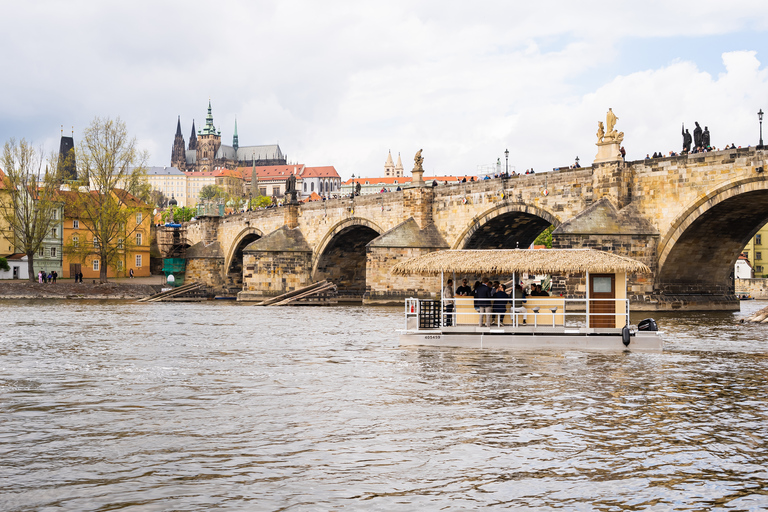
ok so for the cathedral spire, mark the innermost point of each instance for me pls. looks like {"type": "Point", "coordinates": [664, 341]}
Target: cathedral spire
{"type": "Point", "coordinates": [235, 143]}
{"type": "Point", "coordinates": [178, 127]}
{"type": "Point", "coordinates": [193, 137]}
{"type": "Point", "coordinates": [399, 167]}
{"type": "Point", "coordinates": [209, 128]}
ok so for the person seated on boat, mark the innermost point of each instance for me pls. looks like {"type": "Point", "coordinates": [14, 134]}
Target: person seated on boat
{"type": "Point", "coordinates": [518, 307]}
{"type": "Point", "coordinates": [464, 290]}
{"type": "Point", "coordinates": [501, 299]}
{"type": "Point", "coordinates": [448, 302]}
{"type": "Point", "coordinates": [482, 304]}
{"type": "Point", "coordinates": [542, 291]}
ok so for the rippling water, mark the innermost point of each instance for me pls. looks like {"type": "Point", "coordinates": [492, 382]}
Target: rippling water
{"type": "Point", "coordinates": [220, 406]}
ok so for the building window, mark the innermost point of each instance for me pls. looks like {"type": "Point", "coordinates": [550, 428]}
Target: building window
{"type": "Point", "coordinates": [53, 252]}
{"type": "Point", "coordinates": [42, 252]}
{"type": "Point", "coordinates": [305, 186]}
{"type": "Point", "coordinates": [96, 265]}
{"type": "Point", "coordinates": [138, 261]}
{"type": "Point", "coordinates": [120, 265]}
{"type": "Point", "coordinates": [758, 256]}
{"type": "Point", "coordinates": [76, 241]}
{"type": "Point", "coordinates": [138, 238]}
{"type": "Point", "coordinates": [95, 243]}
{"type": "Point", "coordinates": [75, 224]}
{"type": "Point", "coordinates": [312, 187]}
{"type": "Point", "coordinates": [758, 268]}
{"type": "Point", "coordinates": [138, 218]}
{"type": "Point", "coordinates": [53, 232]}
{"type": "Point", "coordinates": [759, 239]}
{"type": "Point", "coordinates": [55, 215]}
{"type": "Point", "coordinates": [119, 243]}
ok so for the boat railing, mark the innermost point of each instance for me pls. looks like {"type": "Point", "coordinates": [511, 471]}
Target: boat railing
{"type": "Point", "coordinates": [532, 311]}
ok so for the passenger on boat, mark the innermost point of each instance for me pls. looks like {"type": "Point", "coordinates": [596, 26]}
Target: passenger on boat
{"type": "Point", "coordinates": [464, 290]}
{"type": "Point", "coordinates": [501, 299]}
{"type": "Point", "coordinates": [520, 292]}
{"type": "Point", "coordinates": [448, 304]}
{"type": "Point", "coordinates": [482, 304]}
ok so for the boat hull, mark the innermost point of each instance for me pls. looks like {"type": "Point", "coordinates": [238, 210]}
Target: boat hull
{"type": "Point", "coordinates": [640, 341]}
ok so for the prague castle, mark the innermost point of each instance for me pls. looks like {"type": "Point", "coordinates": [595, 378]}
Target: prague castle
{"type": "Point", "coordinates": [206, 152]}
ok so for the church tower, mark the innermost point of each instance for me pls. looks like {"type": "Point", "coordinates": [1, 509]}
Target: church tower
{"type": "Point", "coordinates": [193, 137]}
{"type": "Point", "coordinates": [399, 167]}
{"type": "Point", "coordinates": [208, 143]}
{"type": "Point", "coordinates": [178, 156]}
{"type": "Point", "coordinates": [389, 166]}
{"type": "Point", "coordinates": [235, 142]}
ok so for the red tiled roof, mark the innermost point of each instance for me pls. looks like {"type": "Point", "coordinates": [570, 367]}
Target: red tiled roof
{"type": "Point", "coordinates": [313, 197]}
{"type": "Point", "coordinates": [327, 171]}
{"type": "Point", "coordinates": [272, 171]}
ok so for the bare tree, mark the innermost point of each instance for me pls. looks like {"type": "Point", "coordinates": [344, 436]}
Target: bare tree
{"type": "Point", "coordinates": [111, 163]}
{"type": "Point", "coordinates": [31, 206]}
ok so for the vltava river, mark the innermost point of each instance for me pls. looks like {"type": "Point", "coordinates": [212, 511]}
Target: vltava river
{"type": "Point", "coordinates": [221, 406]}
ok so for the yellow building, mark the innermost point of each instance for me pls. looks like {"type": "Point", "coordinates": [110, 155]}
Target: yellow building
{"type": "Point", "coordinates": [132, 249]}
{"type": "Point", "coordinates": [757, 252]}
{"type": "Point", "coordinates": [6, 239]}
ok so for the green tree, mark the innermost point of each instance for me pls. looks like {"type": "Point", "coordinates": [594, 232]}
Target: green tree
{"type": "Point", "coordinates": [180, 214]}
{"type": "Point", "coordinates": [157, 198]}
{"type": "Point", "coordinates": [260, 201]}
{"type": "Point", "coordinates": [30, 205]}
{"type": "Point", "coordinates": [211, 192]}
{"type": "Point", "coordinates": [112, 162]}
{"type": "Point", "coordinates": [545, 238]}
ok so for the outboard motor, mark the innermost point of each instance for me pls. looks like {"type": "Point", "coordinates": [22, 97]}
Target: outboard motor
{"type": "Point", "coordinates": [648, 324]}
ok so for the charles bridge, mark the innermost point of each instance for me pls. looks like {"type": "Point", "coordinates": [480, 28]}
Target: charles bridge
{"type": "Point", "coordinates": [686, 217]}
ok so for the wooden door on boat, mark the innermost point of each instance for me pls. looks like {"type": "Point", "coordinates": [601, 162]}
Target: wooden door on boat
{"type": "Point", "coordinates": [602, 313]}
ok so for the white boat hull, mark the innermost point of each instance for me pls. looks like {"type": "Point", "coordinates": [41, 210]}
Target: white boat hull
{"type": "Point", "coordinates": [639, 341]}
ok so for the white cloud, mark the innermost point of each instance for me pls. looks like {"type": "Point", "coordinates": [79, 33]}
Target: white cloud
{"type": "Point", "coordinates": [342, 82]}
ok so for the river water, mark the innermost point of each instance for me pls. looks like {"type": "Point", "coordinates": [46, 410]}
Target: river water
{"type": "Point", "coordinates": [224, 406]}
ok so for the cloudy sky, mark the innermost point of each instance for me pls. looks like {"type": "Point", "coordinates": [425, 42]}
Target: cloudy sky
{"type": "Point", "coordinates": [341, 83]}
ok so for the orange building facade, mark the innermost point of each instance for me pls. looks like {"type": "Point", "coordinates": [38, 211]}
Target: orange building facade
{"type": "Point", "coordinates": [133, 254]}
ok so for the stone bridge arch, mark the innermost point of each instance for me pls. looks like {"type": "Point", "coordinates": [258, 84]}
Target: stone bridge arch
{"type": "Point", "coordinates": [341, 256]}
{"type": "Point", "coordinates": [232, 274]}
{"type": "Point", "coordinates": [505, 225]}
{"type": "Point", "coordinates": [698, 252]}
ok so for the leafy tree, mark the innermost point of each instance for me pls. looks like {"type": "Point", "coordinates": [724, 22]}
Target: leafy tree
{"type": "Point", "coordinates": [180, 214]}
{"type": "Point", "coordinates": [4, 265]}
{"type": "Point", "coordinates": [110, 160]}
{"type": "Point", "coordinates": [211, 192]}
{"type": "Point", "coordinates": [545, 238]}
{"type": "Point", "coordinates": [30, 205]}
{"type": "Point", "coordinates": [260, 201]}
{"type": "Point", "coordinates": [236, 202]}
{"type": "Point", "coordinates": [157, 198]}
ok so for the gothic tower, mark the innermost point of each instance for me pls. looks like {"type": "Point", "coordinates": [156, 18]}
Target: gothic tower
{"type": "Point", "coordinates": [399, 167]}
{"type": "Point", "coordinates": [178, 157]}
{"type": "Point", "coordinates": [193, 137]}
{"type": "Point", "coordinates": [208, 144]}
{"type": "Point", "coordinates": [235, 142]}
{"type": "Point", "coordinates": [389, 166]}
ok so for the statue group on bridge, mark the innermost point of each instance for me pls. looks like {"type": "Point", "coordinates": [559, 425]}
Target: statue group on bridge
{"type": "Point", "coordinates": [701, 139]}
{"type": "Point", "coordinates": [607, 133]}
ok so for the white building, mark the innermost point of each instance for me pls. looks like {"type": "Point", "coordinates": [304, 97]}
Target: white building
{"type": "Point", "coordinates": [171, 182]}
{"type": "Point", "coordinates": [742, 269]}
{"type": "Point", "coordinates": [19, 267]}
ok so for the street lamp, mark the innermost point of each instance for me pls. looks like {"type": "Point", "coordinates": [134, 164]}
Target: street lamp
{"type": "Point", "coordinates": [506, 155]}
{"type": "Point", "coordinates": [760, 118]}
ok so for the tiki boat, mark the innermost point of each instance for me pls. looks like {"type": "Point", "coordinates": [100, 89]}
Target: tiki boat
{"type": "Point", "coordinates": [597, 320]}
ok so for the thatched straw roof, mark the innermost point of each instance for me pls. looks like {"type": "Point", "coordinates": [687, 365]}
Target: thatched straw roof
{"type": "Point", "coordinates": [507, 261]}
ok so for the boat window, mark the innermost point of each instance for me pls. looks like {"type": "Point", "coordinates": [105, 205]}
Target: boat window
{"type": "Point", "coordinates": [601, 285]}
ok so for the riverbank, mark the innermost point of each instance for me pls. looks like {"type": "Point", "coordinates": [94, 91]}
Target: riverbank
{"type": "Point", "coordinates": [68, 289]}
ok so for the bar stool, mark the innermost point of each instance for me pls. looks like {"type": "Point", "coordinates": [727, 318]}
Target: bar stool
{"type": "Point", "coordinates": [553, 310]}
{"type": "Point", "coordinates": [535, 315]}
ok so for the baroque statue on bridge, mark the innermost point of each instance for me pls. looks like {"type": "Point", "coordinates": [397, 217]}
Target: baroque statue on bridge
{"type": "Point", "coordinates": [600, 131]}
{"type": "Point", "coordinates": [611, 135]}
{"type": "Point", "coordinates": [418, 160]}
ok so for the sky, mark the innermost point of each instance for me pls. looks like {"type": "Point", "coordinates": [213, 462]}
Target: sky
{"type": "Point", "coordinates": [342, 83]}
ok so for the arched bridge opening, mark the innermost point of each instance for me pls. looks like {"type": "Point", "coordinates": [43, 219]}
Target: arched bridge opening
{"type": "Point", "coordinates": [342, 260]}
{"type": "Point", "coordinates": [234, 263]}
{"type": "Point", "coordinates": [507, 227]}
{"type": "Point", "coordinates": [698, 255]}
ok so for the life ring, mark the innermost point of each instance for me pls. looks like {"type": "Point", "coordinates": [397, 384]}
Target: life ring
{"type": "Point", "coordinates": [463, 200]}
{"type": "Point", "coordinates": [545, 192]}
